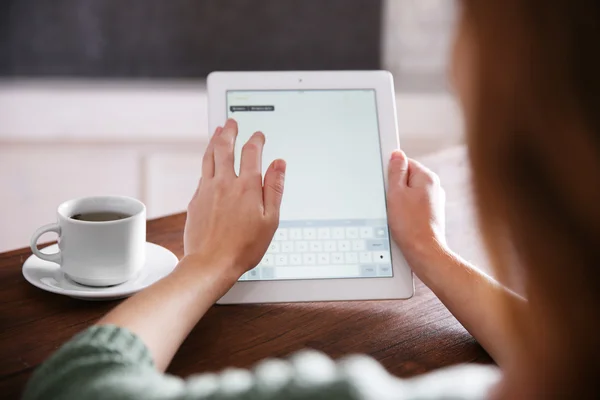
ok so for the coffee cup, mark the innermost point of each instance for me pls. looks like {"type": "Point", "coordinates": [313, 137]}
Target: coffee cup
{"type": "Point", "coordinates": [101, 239]}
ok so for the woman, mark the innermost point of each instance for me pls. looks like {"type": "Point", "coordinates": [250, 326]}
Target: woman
{"type": "Point", "coordinates": [526, 72]}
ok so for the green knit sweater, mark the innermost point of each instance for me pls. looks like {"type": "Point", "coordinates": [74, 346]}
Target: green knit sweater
{"type": "Point", "coordinates": [108, 362]}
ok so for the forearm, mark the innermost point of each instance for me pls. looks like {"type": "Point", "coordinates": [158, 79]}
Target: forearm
{"type": "Point", "coordinates": [471, 296]}
{"type": "Point", "coordinates": [164, 314]}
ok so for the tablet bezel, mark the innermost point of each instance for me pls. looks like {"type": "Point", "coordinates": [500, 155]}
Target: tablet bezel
{"type": "Point", "coordinates": [401, 285]}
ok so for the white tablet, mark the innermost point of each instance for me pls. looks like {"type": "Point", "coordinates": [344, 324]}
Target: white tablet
{"type": "Point", "coordinates": [337, 131]}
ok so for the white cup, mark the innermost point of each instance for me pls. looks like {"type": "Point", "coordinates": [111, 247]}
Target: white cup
{"type": "Point", "coordinates": [98, 253]}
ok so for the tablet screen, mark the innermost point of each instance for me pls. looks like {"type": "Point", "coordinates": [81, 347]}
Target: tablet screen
{"type": "Point", "coordinates": [333, 221]}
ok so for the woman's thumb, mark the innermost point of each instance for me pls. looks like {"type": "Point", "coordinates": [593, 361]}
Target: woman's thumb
{"type": "Point", "coordinates": [398, 169]}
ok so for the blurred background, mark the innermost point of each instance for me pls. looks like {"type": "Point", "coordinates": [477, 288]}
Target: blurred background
{"type": "Point", "coordinates": [108, 96]}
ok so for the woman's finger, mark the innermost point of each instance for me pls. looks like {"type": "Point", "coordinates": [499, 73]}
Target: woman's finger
{"type": "Point", "coordinates": [398, 169]}
{"type": "Point", "coordinates": [208, 161]}
{"type": "Point", "coordinates": [251, 162]}
{"type": "Point", "coordinates": [223, 148]}
{"type": "Point", "coordinates": [273, 189]}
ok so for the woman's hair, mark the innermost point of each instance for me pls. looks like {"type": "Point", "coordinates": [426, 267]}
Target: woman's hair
{"type": "Point", "coordinates": [534, 139]}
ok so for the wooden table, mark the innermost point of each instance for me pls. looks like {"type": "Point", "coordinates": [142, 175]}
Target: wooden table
{"type": "Point", "coordinates": [408, 337]}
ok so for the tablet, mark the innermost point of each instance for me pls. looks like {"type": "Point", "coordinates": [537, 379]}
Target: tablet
{"type": "Point", "coordinates": [337, 131]}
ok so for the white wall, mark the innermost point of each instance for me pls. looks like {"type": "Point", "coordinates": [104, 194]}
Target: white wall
{"type": "Point", "coordinates": [63, 140]}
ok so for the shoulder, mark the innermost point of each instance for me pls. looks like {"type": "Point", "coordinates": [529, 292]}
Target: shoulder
{"type": "Point", "coordinates": [310, 374]}
{"type": "Point", "coordinates": [372, 381]}
{"type": "Point", "coordinates": [110, 362]}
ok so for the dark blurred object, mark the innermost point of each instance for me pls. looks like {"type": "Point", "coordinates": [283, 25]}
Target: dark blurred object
{"type": "Point", "coordinates": [185, 38]}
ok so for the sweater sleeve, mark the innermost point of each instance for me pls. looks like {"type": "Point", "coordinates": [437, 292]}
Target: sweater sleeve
{"type": "Point", "coordinates": [108, 362]}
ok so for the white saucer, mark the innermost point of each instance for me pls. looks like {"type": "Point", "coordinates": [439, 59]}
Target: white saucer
{"type": "Point", "coordinates": [49, 277]}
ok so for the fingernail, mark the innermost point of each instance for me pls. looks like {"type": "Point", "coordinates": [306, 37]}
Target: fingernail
{"type": "Point", "coordinates": [259, 134]}
{"type": "Point", "coordinates": [280, 165]}
{"type": "Point", "coordinates": [398, 155]}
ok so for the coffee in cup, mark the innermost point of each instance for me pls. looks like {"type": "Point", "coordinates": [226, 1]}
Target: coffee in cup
{"type": "Point", "coordinates": [101, 216]}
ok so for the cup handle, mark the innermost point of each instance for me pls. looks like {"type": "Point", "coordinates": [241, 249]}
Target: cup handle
{"type": "Point", "coordinates": [54, 257]}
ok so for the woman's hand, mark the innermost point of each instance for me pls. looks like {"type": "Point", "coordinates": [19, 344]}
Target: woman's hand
{"type": "Point", "coordinates": [231, 219]}
{"type": "Point", "coordinates": [416, 217]}
{"type": "Point", "coordinates": [415, 208]}
{"type": "Point", "coordinates": [230, 223]}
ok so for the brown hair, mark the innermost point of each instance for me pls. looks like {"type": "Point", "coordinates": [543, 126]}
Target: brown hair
{"type": "Point", "coordinates": [534, 139]}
